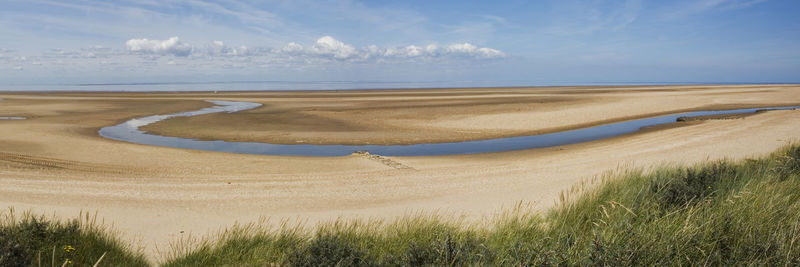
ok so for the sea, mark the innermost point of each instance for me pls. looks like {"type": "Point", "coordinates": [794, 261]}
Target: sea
{"type": "Point", "coordinates": [310, 85]}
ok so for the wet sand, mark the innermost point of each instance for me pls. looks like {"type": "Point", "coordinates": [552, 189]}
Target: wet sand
{"type": "Point", "coordinates": [454, 115]}
{"type": "Point", "coordinates": [54, 162]}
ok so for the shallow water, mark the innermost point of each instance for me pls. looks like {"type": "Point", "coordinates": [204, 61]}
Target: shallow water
{"type": "Point", "coordinates": [129, 131]}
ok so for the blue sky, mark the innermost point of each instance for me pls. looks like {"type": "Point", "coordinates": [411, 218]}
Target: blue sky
{"type": "Point", "coordinates": [508, 42]}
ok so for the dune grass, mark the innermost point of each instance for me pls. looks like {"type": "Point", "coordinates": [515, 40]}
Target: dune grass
{"type": "Point", "coordinates": [29, 240]}
{"type": "Point", "coordinates": [717, 213]}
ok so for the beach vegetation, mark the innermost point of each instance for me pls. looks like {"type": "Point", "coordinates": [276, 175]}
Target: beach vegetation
{"type": "Point", "coordinates": [30, 240]}
{"type": "Point", "coordinates": [724, 212]}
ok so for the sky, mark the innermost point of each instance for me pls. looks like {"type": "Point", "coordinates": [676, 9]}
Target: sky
{"type": "Point", "coordinates": [460, 42]}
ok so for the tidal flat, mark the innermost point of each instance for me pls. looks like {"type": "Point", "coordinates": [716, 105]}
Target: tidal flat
{"type": "Point", "coordinates": [55, 162]}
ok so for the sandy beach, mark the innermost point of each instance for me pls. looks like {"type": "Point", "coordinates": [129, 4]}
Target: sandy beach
{"type": "Point", "coordinates": [54, 162]}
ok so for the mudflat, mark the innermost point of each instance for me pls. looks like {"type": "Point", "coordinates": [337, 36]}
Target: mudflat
{"type": "Point", "coordinates": [433, 116]}
{"type": "Point", "coordinates": [55, 162]}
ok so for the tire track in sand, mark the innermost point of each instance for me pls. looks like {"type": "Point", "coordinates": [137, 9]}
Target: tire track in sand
{"type": "Point", "coordinates": [28, 162]}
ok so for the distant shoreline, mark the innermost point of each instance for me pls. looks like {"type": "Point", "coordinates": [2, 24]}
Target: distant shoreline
{"type": "Point", "coordinates": [300, 86]}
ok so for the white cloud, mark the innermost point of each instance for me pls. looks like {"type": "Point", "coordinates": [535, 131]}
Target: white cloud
{"type": "Point", "coordinates": [175, 56]}
{"type": "Point", "coordinates": [408, 51]}
{"type": "Point", "coordinates": [171, 46]}
{"type": "Point", "coordinates": [218, 48]}
{"type": "Point", "coordinates": [470, 50]}
{"type": "Point", "coordinates": [465, 48]}
{"type": "Point", "coordinates": [325, 48]}
{"type": "Point", "coordinates": [328, 46]}
{"type": "Point", "coordinates": [292, 48]}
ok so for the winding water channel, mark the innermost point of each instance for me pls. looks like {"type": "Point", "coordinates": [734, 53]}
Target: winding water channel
{"type": "Point", "coordinates": [129, 131]}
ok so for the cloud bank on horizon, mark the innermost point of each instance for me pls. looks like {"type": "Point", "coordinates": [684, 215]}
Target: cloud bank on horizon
{"type": "Point", "coordinates": [526, 41]}
{"type": "Point", "coordinates": [325, 47]}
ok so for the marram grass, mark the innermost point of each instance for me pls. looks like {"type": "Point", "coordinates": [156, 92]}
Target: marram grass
{"type": "Point", "coordinates": [28, 240]}
{"type": "Point", "coordinates": [716, 213]}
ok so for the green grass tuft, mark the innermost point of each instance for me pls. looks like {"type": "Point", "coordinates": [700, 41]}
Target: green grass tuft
{"type": "Point", "coordinates": [29, 240]}
{"type": "Point", "coordinates": [718, 213]}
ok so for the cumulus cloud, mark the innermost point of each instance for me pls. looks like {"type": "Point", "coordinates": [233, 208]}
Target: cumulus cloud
{"type": "Point", "coordinates": [325, 48]}
{"type": "Point", "coordinates": [292, 48]}
{"type": "Point", "coordinates": [329, 47]}
{"type": "Point", "coordinates": [176, 56]}
{"type": "Point", "coordinates": [408, 51]}
{"type": "Point", "coordinates": [171, 46]}
{"type": "Point", "coordinates": [218, 48]}
{"type": "Point", "coordinates": [467, 49]}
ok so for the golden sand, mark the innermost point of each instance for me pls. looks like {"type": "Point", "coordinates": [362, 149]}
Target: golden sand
{"type": "Point", "coordinates": [54, 162]}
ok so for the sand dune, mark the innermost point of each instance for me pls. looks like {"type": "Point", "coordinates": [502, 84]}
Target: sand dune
{"type": "Point", "coordinates": [54, 162]}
